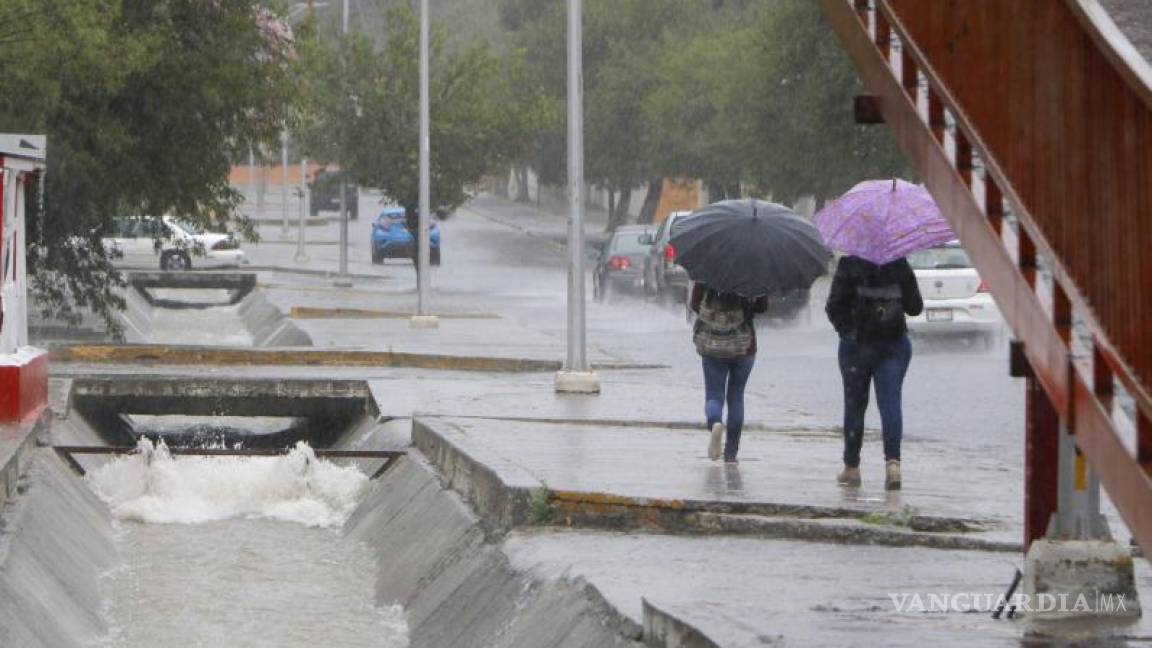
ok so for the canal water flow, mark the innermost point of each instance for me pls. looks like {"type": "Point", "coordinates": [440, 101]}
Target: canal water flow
{"type": "Point", "coordinates": [239, 551]}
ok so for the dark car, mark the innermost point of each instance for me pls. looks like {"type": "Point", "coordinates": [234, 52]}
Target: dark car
{"type": "Point", "coordinates": [621, 265]}
{"type": "Point", "coordinates": [787, 307]}
{"type": "Point", "coordinates": [663, 277]}
{"type": "Point", "coordinates": [325, 194]}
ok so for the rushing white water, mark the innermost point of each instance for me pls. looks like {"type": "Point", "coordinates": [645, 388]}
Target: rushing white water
{"type": "Point", "coordinates": [154, 486]}
{"type": "Point", "coordinates": [239, 551]}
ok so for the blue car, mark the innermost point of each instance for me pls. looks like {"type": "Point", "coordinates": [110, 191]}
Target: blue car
{"type": "Point", "coordinates": [392, 240]}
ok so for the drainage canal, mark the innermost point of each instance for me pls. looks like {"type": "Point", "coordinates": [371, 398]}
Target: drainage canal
{"type": "Point", "coordinates": [205, 309]}
{"type": "Point", "coordinates": [239, 543]}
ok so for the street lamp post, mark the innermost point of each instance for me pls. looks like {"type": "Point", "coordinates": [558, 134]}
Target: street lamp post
{"type": "Point", "coordinates": [576, 377]}
{"type": "Point", "coordinates": [342, 278]}
{"type": "Point", "coordinates": [301, 254]}
{"type": "Point", "coordinates": [423, 319]}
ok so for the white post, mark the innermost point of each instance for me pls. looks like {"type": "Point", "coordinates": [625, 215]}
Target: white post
{"type": "Point", "coordinates": [10, 296]}
{"type": "Point", "coordinates": [423, 319]}
{"type": "Point", "coordinates": [301, 255]}
{"type": "Point", "coordinates": [576, 376]}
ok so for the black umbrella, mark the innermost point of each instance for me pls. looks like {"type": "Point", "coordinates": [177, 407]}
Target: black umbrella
{"type": "Point", "coordinates": [749, 247]}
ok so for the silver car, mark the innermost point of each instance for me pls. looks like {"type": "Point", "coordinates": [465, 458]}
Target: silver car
{"type": "Point", "coordinates": [663, 277]}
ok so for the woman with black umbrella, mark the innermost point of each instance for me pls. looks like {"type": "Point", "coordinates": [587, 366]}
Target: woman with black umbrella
{"type": "Point", "coordinates": [725, 338]}
{"type": "Point", "coordinates": [738, 251]}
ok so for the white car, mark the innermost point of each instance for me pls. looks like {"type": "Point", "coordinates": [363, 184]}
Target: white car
{"type": "Point", "coordinates": [956, 300]}
{"type": "Point", "coordinates": [178, 246]}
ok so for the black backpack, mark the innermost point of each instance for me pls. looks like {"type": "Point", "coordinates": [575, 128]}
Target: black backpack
{"type": "Point", "coordinates": [879, 311]}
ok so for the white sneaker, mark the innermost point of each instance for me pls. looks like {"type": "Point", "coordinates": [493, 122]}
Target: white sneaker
{"type": "Point", "coordinates": [716, 441]}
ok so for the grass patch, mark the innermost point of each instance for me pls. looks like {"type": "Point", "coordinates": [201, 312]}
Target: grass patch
{"type": "Point", "coordinates": [902, 518]}
{"type": "Point", "coordinates": [540, 508]}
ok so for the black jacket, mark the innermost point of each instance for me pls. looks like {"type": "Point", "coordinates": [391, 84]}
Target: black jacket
{"type": "Point", "coordinates": [854, 271]}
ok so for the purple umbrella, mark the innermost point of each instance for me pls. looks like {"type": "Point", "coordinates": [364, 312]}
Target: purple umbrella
{"type": "Point", "coordinates": [883, 220]}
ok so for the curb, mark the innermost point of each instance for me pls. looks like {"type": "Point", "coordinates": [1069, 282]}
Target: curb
{"type": "Point", "coordinates": [308, 312]}
{"type": "Point", "coordinates": [506, 506]}
{"type": "Point", "coordinates": [327, 274]}
{"type": "Point", "coordinates": [228, 356]}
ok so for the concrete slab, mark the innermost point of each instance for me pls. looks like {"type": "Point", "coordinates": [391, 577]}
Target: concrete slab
{"type": "Point", "coordinates": [777, 468]}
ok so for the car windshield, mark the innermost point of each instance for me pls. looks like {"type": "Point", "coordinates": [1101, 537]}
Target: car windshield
{"type": "Point", "coordinates": [628, 243]}
{"type": "Point", "coordinates": [945, 258]}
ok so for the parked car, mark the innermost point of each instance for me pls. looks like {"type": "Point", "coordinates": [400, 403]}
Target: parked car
{"type": "Point", "coordinates": [787, 306]}
{"type": "Point", "coordinates": [956, 300]}
{"type": "Point", "coordinates": [391, 238]}
{"type": "Point", "coordinates": [176, 243]}
{"type": "Point", "coordinates": [325, 194]}
{"type": "Point", "coordinates": [663, 277]}
{"type": "Point", "coordinates": [620, 268]}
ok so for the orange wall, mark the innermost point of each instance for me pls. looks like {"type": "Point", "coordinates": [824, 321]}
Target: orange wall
{"type": "Point", "coordinates": [242, 175]}
{"type": "Point", "coordinates": [677, 194]}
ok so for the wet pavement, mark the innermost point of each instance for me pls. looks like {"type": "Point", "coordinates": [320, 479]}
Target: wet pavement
{"type": "Point", "coordinates": [778, 467]}
{"type": "Point", "coordinates": [745, 592]}
{"type": "Point", "coordinates": [643, 435]}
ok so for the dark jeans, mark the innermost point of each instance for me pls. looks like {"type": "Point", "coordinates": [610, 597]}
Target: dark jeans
{"type": "Point", "coordinates": [724, 382]}
{"type": "Point", "coordinates": [861, 362]}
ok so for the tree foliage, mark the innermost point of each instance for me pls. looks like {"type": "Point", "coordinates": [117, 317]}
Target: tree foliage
{"type": "Point", "coordinates": [145, 104]}
{"type": "Point", "coordinates": [751, 97]}
{"type": "Point", "coordinates": [361, 111]}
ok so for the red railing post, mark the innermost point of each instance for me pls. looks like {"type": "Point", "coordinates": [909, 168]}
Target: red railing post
{"type": "Point", "coordinates": [964, 157]}
{"type": "Point", "coordinates": [994, 205]}
{"type": "Point", "coordinates": [1041, 461]}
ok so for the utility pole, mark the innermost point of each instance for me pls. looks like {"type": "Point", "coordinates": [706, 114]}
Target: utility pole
{"type": "Point", "coordinates": [301, 255]}
{"type": "Point", "coordinates": [342, 278]}
{"type": "Point", "coordinates": [284, 184]}
{"type": "Point", "coordinates": [423, 319]}
{"type": "Point", "coordinates": [576, 377]}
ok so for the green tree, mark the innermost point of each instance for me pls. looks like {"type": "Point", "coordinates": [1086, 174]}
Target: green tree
{"type": "Point", "coordinates": [805, 136]}
{"type": "Point", "coordinates": [145, 104]}
{"type": "Point", "coordinates": [362, 111]}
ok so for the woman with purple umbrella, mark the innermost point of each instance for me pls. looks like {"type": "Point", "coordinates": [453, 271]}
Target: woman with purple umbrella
{"type": "Point", "coordinates": [876, 224]}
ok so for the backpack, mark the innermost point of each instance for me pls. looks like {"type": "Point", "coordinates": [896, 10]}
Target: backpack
{"type": "Point", "coordinates": [724, 326]}
{"type": "Point", "coordinates": [879, 311]}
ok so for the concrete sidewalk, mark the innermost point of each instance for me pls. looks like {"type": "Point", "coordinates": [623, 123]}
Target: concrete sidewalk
{"type": "Point", "coordinates": [781, 474]}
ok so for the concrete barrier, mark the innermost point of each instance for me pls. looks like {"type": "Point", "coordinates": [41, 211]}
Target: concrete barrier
{"type": "Point", "coordinates": [55, 543]}
{"type": "Point", "coordinates": [436, 560]}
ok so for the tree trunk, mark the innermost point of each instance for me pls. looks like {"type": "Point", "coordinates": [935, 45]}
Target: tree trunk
{"type": "Point", "coordinates": [720, 191]}
{"type": "Point", "coordinates": [522, 194]}
{"type": "Point", "coordinates": [500, 184]}
{"type": "Point", "coordinates": [618, 213]}
{"type": "Point", "coordinates": [651, 201]}
{"type": "Point", "coordinates": [611, 207]}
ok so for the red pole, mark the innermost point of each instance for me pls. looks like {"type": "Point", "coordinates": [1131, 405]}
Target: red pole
{"type": "Point", "coordinates": [1041, 462]}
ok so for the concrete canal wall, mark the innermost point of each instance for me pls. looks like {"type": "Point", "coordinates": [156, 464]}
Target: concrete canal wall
{"type": "Point", "coordinates": [434, 557]}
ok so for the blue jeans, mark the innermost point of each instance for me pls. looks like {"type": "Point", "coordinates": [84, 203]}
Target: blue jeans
{"type": "Point", "coordinates": [724, 382]}
{"type": "Point", "coordinates": [861, 363]}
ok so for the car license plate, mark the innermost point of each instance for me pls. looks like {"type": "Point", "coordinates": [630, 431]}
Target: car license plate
{"type": "Point", "coordinates": [939, 314]}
